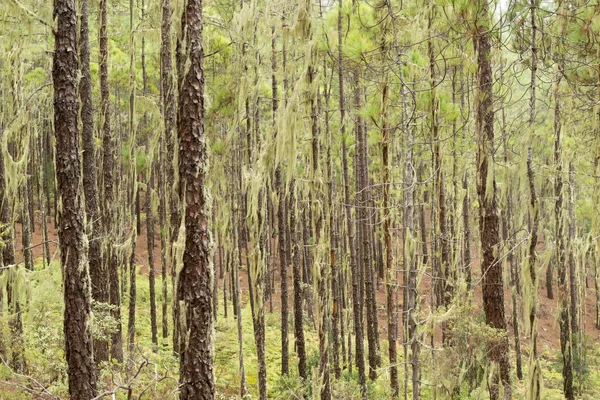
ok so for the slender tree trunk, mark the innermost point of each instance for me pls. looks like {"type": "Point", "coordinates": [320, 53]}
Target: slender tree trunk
{"type": "Point", "coordinates": [110, 258]}
{"type": "Point", "coordinates": [236, 296]}
{"type": "Point", "coordinates": [534, 369]}
{"type": "Point", "coordinates": [162, 211]}
{"type": "Point", "coordinates": [358, 328]}
{"type": "Point", "coordinates": [150, 237]}
{"type": "Point", "coordinates": [26, 228]}
{"type": "Point", "coordinates": [98, 273]}
{"type": "Point", "coordinates": [391, 285]}
{"type": "Point", "coordinates": [281, 224]}
{"type": "Point", "coordinates": [561, 251]}
{"type": "Point", "coordinates": [571, 249]}
{"type": "Point", "coordinates": [72, 237]}
{"type": "Point", "coordinates": [298, 315]}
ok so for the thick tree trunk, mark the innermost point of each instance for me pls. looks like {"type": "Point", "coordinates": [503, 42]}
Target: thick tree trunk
{"type": "Point", "coordinates": [72, 237]}
{"type": "Point", "coordinates": [493, 281]}
{"type": "Point", "coordinates": [194, 283]}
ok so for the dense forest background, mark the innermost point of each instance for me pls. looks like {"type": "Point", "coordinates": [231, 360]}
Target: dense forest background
{"type": "Point", "coordinates": [299, 199]}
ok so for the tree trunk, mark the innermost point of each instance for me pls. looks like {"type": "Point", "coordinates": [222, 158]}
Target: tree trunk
{"type": "Point", "coordinates": [298, 315]}
{"type": "Point", "coordinates": [72, 237]}
{"type": "Point", "coordinates": [281, 224]}
{"type": "Point", "coordinates": [110, 258]}
{"type": "Point", "coordinates": [561, 255]}
{"type": "Point", "coordinates": [194, 286]}
{"type": "Point", "coordinates": [493, 282]}
{"type": "Point", "coordinates": [98, 274]}
{"type": "Point", "coordinates": [358, 328]}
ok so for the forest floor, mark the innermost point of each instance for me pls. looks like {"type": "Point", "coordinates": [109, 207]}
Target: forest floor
{"type": "Point", "coordinates": [548, 327]}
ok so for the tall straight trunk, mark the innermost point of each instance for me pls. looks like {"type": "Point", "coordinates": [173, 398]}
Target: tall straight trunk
{"type": "Point", "coordinates": [356, 290]}
{"type": "Point", "coordinates": [441, 272]}
{"type": "Point", "coordinates": [574, 297]}
{"type": "Point", "coordinates": [148, 206]}
{"type": "Point", "coordinates": [71, 233]}
{"type": "Point", "coordinates": [391, 285]}
{"type": "Point", "coordinates": [131, 189]}
{"type": "Point", "coordinates": [333, 246]}
{"type": "Point", "coordinates": [237, 293]}
{"type": "Point", "coordinates": [169, 138]}
{"type": "Point", "coordinates": [162, 215]}
{"type": "Point", "coordinates": [150, 241]}
{"type": "Point", "coordinates": [509, 242]}
{"type": "Point", "coordinates": [98, 273]}
{"type": "Point", "coordinates": [534, 369]}
{"type": "Point", "coordinates": [26, 218]}
{"type": "Point", "coordinates": [596, 220]}
{"type": "Point", "coordinates": [561, 251]}
{"type": "Point", "coordinates": [508, 233]}
{"type": "Point", "coordinates": [194, 282]}
{"type": "Point", "coordinates": [366, 269]}
{"type": "Point", "coordinates": [493, 281]}
{"type": "Point", "coordinates": [281, 224]}
{"type": "Point", "coordinates": [8, 260]}
{"type": "Point", "coordinates": [411, 290]}
{"type": "Point", "coordinates": [110, 258]}
{"type": "Point", "coordinates": [298, 314]}
{"type": "Point", "coordinates": [467, 233]}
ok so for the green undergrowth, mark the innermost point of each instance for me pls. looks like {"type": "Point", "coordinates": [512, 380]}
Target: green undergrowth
{"type": "Point", "coordinates": [151, 372]}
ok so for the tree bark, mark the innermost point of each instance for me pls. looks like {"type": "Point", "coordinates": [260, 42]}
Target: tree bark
{"type": "Point", "coordinates": [98, 274]}
{"type": "Point", "coordinates": [194, 283]}
{"type": "Point", "coordinates": [72, 237]}
{"type": "Point", "coordinates": [493, 281]}
{"type": "Point", "coordinates": [561, 251]}
{"type": "Point", "coordinates": [110, 258]}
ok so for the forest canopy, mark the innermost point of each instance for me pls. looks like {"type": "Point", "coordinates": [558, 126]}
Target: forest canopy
{"type": "Point", "coordinates": [303, 199]}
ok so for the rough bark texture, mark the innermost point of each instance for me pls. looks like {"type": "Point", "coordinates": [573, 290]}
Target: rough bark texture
{"type": "Point", "coordinates": [391, 286]}
{"type": "Point", "coordinates": [168, 99]}
{"type": "Point", "coordinates": [72, 237]}
{"type": "Point", "coordinates": [110, 258]}
{"type": "Point", "coordinates": [194, 284]}
{"type": "Point", "coordinates": [98, 275]}
{"type": "Point", "coordinates": [281, 223]}
{"type": "Point", "coordinates": [298, 315]}
{"type": "Point", "coordinates": [534, 211]}
{"type": "Point", "coordinates": [493, 281]}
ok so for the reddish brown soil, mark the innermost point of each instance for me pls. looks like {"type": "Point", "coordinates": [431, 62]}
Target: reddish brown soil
{"type": "Point", "coordinates": [548, 329]}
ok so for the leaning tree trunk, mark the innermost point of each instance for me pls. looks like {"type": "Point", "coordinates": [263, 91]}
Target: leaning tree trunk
{"type": "Point", "coordinates": [493, 281]}
{"type": "Point", "coordinates": [71, 233]}
{"type": "Point", "coordinates": [194, 282]}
